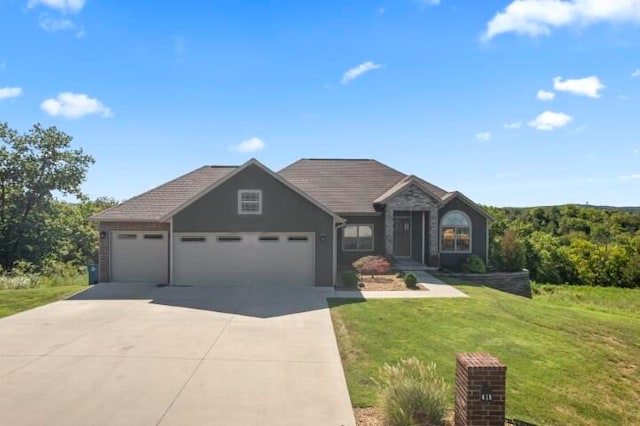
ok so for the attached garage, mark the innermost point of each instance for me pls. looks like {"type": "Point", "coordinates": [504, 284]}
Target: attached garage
{"type": "Point", "coordinates": [243, 258]}
{"type": "Point", "coordinates": [140, 256]}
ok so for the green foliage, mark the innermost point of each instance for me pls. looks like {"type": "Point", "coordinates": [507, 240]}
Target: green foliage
{"type": "Point", "coordinates": [572, 244]}
{"type": "Point", "coordinates": [412, 394]}
{"type": "Point", "coordinates": [473, 265]}
{"type": "Point", "coordinates": [512, 255]}
{"type": "Point", "coordinates": [411, 280]}
{"type": "Point", "coordinates": [33, 167]}
{"type": "Point", "coordinates": [350, 279]}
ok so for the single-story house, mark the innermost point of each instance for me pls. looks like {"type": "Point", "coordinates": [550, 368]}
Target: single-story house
{"type": "Point", "coordinates": [237, 224]}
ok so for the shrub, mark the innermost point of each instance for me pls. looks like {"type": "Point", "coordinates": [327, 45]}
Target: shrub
{"type": "Point", "coordinates": [411, 280]}
{"type": "Point", "coordinates": [473, 265]}
{"type": "Point", "coordinates": [372, 265]}
{"type": "Point", "coordinates": [413, 394]}
{"type": "Point", "coordinates": [15, 281]}
{"type": "Point", "coordinates": [512, 254]}
{"type": "Point", "coordinates": [350, 279]}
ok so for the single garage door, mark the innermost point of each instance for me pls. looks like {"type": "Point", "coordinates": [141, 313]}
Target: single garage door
{"type": "Point", "coordinates": [139, 256]}
{"type": "Point", "coordinates": [278, 258]}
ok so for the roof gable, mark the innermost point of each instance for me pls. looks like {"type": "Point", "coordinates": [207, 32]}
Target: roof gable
{"type": "Point", "coordinates": [404, 184]}
{"type": "Point", "coordinates": [459, 195]}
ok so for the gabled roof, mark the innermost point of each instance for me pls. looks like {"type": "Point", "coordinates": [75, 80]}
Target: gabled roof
{"type": "Point", "coordinates": [343, 185]}
{"type": "Point", "coordinates": [456, 194]}
{"type": "Point", "coordinates": [154, 204]}
{"type": "Point", "coordinates": [431, 190]}
{"type": "Point", "coordinates": [252, 162]}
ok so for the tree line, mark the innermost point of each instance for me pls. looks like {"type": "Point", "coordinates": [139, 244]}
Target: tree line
{"type": "Point", "coordinates": [568, 244]}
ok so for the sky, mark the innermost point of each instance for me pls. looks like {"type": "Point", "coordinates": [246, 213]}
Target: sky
{"type": "Point", "coordinates": [513, 103]}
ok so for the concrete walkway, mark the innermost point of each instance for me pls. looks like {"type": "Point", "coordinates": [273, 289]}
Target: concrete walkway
{"type": "Point", "coordinates": [435, 289]}
{"type": "Point", "coordinates": [134, 354]}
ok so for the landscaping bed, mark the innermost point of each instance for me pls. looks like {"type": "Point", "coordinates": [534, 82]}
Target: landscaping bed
{"type": "Point", "coordinates": [387, 282]}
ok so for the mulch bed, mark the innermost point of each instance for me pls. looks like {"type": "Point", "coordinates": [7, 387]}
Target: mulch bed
{"type": "Point", "coordinates": [389, 282]}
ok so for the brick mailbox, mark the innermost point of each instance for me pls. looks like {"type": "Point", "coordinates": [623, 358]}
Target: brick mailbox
{"type": "Point", "coordinates": [480, 390]}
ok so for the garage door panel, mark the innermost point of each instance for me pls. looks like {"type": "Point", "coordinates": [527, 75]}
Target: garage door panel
{"type": "Point", "coordinates": [244, 258]}
{"type": "Point", "coordinates": [139, 256]}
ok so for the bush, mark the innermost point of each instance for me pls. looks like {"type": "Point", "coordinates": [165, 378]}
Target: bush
{"type": "Point", "coordinates": [473, 265]}
{"type": "Point", "coordinates": [372, 265]}
{"type": "Point", "coordinates": [512, 254]}
{"type": "Point", "coordinates": [411, 280]}
{"type": "Point", "coordinates": [413, 394]}
{"type": "Point", "coordinates": [350, 279]}
{"type": "Point", "coordinates": [15, 281]}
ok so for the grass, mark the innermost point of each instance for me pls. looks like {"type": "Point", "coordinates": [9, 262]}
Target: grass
{"type": "Point", "coordinates": [572, 355]}
{"type": "Point", "coordinates": [50, 290]}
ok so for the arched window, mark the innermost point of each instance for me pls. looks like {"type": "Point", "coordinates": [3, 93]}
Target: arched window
{"type": "Point", "coordinates": [455, 232]}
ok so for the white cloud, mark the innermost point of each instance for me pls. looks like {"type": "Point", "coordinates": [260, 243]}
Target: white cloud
{"type": "Point", "coordinates": [54, 24]}
{"type": "Point", "coordinates": [74, 105]}
{"type": "Point", "coordinates": [512, 126]}
{"type": "Point", "coordinates": [636, 73]}
{"type": "Point", "coordinates": [545, 96]}
{"type": "Point", "coordinates": [64, 6]}
{"type": "Point", "coordinates": [356, 72]}
{"type": "Point", "coordinates": [249, 145]}
{"type": "Point", "coordinates": [588, 86]}
{"type": "Point", "coordinates": [538, 17]}
{"type": "Point", "coordinates": [635, 176]}
{"type": "Point", "coordinates": [636, 151]}
{"type": "Point", "coordinates": [483, 136]}
{"type": "Point", "coordinates": [549, 120]}
{"type": "Point", "coordinates": [10, 92]}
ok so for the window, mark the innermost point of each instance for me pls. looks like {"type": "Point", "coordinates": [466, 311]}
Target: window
{"type": "Point", "coordinates": [127, 236]}
{"type": "Point", "coordinates": [249, 201]}
{"type": "Point", "coordinates": [298, 239]}
{"type": "Point", "coordinates": [231, 239]}
{"type": "Point", "coordinates": [269, 238]}
{"type": "Point", "coordinates": [357, 238]}
{"type": "Point", "coordinates": [455, 232]}
{"type": "Point", "coordinates": [153, 236]}
{"type": "Point", "coordinates": [193, 239]}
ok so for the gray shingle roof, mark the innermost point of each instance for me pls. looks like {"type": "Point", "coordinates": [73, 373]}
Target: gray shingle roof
{"type": "Point", "coordinates": [346, 186]}
{"type": "Point", "coordinates": [158, 202]}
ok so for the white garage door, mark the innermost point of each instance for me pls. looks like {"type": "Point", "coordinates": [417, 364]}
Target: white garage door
{"type": "Point", "coordinates": [243, 259]}
{"type": "Point", "coordinates": [139, 256]}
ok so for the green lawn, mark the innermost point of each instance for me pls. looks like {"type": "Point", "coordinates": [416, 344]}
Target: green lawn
{"type": "Point", "coordinates": [572, 356]}
{"type": "Point", "coordinates": [14, 301]}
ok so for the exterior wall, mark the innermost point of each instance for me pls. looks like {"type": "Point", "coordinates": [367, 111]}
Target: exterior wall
{"type": "Point", "coordinates": [346, 258]}
{"type": "Point", "coordinates": [283, 210]}
{"type": "Point", "coordinates": [416, 236]}
{"type": "Point", "coordinates": [107, 227]}
{"type": "Point", "coordinates": [478, 235]}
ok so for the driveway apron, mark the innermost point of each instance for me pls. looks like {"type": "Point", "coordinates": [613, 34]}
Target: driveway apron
{"type": "Point", "coordinates": [136, 354]}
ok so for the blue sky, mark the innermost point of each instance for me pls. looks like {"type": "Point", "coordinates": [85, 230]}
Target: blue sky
{"type": "Point", "coordinates": [514, 103]}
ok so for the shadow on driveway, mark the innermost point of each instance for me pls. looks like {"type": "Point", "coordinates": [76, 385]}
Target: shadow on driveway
{"type": "Point", "coordinates": [253, 300]}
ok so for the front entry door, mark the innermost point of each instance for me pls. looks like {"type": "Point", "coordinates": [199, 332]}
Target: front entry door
{"type": "Point", "coordinates": [402, 236]}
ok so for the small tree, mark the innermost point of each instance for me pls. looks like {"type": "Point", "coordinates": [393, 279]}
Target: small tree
{"type": "Point", "coordinates": [372, 265]}
{"type": "Point", "coordinates": [512, 254]}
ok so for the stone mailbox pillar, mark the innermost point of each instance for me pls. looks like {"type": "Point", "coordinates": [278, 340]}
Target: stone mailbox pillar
{"type": "Point", "coordinates": [480, 390]}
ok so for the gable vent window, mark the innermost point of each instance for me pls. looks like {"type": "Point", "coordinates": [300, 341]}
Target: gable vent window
{"type": "Point", "coordinates": [249, 201]}
{"type": "Point", "coordinates": [229, 239]}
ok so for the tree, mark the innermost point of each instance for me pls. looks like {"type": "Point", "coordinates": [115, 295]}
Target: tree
{"type": "Point", "coordinates": [372, 265]}
{"type": "Point", "coordinates": [512, 252]}
{"type": "Point", "coordinates": [33, 167]}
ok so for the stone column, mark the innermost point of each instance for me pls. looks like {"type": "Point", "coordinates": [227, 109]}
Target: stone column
{"type": "Point", "coordinates": [480, 390]}
{"type": "Point", "coordinates": [434, 237]}
{"type": "Point", "coordinates": [388, 230]}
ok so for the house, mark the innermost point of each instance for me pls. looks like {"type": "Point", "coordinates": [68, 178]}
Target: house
{"type": "Point", "coordinates": [237, 224]}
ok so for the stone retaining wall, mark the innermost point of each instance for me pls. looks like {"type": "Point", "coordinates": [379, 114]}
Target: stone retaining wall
{"type": "Point", "coordinates": [511, 282]}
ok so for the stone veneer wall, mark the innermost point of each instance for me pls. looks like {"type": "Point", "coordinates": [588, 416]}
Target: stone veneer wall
{"type": "Point", "coordinates": [510, 282]}
{"type": "Point", "coordinates": [473, 372]}
{"type": "Point", "coordinates": [413, 199]}
{"type": "Point", "coordinates": [105, 248]}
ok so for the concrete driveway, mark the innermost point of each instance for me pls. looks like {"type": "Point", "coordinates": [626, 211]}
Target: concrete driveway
{"type": "Point", "coordinates": [120, 354]}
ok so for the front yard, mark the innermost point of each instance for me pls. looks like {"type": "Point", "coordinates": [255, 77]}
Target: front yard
{"type": "Point", "coordinates": [18, 300]}
{"type": "Point", "coordinates": [572, 355]}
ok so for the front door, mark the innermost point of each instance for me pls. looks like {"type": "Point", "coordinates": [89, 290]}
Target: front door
{"type": "Point", "coordinates": [402, 236]}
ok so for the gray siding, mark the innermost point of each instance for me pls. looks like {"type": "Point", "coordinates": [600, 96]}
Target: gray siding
{"type": "Point", "coordinates": [478, 235]}
{"type": "Point", "coordinates": [346, 258]}
{"type": "Point", "coordinates": [283, 210]}
{"type": "Point", "coordinates": [416, 236]}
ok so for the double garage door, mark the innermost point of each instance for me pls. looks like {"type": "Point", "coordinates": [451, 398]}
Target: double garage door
{"type": "Point", "coordinates": [210, 259]}
{"type": "Point", "coordinates": [243, 259]}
